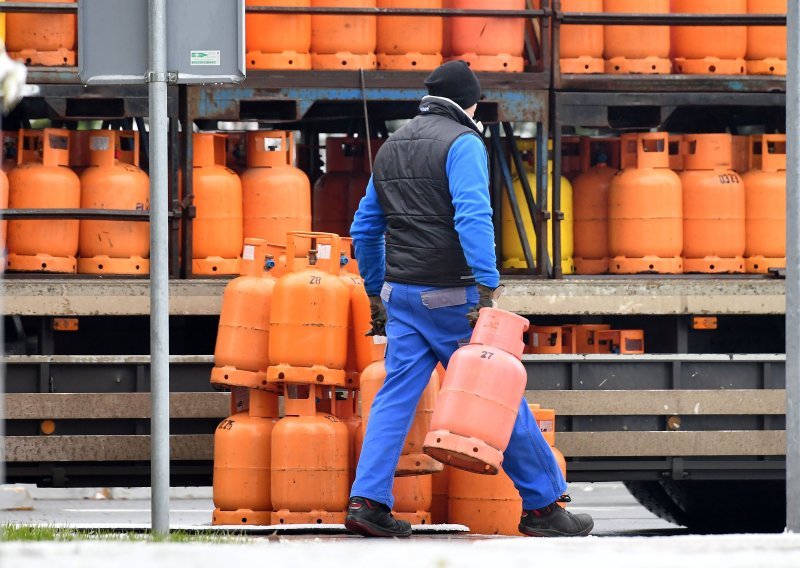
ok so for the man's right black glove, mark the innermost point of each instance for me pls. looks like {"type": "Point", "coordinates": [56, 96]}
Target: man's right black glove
{"type": "Point", "coordinates": [485, 300]}
{"type": "Point", "coordinates": [378, 313]}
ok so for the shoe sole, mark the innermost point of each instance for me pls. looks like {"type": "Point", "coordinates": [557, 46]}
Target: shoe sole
{"type": "Point", "coordinates": [547, 533]}
{"type": "Point", "coordinates": [367, 529]}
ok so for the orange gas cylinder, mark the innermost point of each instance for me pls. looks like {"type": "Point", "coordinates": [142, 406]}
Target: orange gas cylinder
{"type": "Point", "coordinates": [79, 158]}
{"type": "Point", "coordinates": [346, 410]}
{"type": "Point", "coordinates": [114, 247]}
{"type": "Point", "coordinates": [42, 39]}
{"type": "Point", "coordinates": [242, 456]}
{"type": "Point", "coordinates": [487, 504]}
{"type": "Point", "coordinates": [409, 43]}
{"type": "Point", "coordinates": [709, 50]}
{"type": "Point", "coordinates": [276, 196]}
{"type": "Point", "coordinates": [242, 347]}
{"type": "Point", "coordinates": [677, 152]}
{"type": "Point", "coordinates": [766, 46]}
{"type": "Point", "coordinates": [489, 44]}
{"type": "Point", "coordinates": [637, 49]}
{"type": "Point", "coordinates": [765, 206]}
{"type": "Point", "coordinates": [339, 190]}
{"type": "Point", "coordinates": [713, 207]}
{"type": "Point", "coordinates": [42, 180]}
{"type": "Point", "coordinates": [546, 420]}
{"type": "Point", "coordinates": [543, 340]}
{"type": "Point", "coordinates": [621, 341]}
{"type": "Point", "coordinates": [439, 494]}
{"type": "Point", "coordinates": [485, 378]}
{"type": "Point", "coordinates": [309, 462]}
{"type": "Point", "coordinates": [9, 149]}
{"type": "Point", "coordinates": [740, 158]}
{"type": "Point", "coordinates": [217, 226]}
{"type": "Point", "coordinates": [581, 47]}
{"type": "Point", "coordinates": [590, 204]}
{"type": "Point", "coordinates": [343, 42]}
{"type": "Point", "coordinates": [412, 461]}
{"type": "Point", "coordinates": [645, 209]}
{"type": "Point", "coordinates": [278, 41]}
{"type": "Point", "coordinates": [584, 337]}
{"type": "Point", "coordinates": [310, 312]}
{"type": "Point", "coordinates": [413, 498]}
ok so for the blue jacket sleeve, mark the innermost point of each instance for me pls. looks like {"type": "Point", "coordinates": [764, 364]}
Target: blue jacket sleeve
{"type": "Point", "coordinates": [468, 176]}
{"type": "Point", "coordinates": [367, 231]}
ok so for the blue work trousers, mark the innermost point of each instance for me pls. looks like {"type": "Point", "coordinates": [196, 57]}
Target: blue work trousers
{"type": "Point", "coordinates": [419, 335]}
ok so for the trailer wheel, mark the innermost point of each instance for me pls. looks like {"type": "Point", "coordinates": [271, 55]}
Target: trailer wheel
{"type": "Point", "coordinates": [651, 495]}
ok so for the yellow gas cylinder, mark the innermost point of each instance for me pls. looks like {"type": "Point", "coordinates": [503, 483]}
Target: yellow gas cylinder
{"type": "Point", "coordinates": [42, 39]}
{"type": "Point", "coordinates": [217, 226]}
{"type": "Point", "coordinates": [114, 247]}
{"type": "Point", "coordinates": [440, 487]}
{"type": "Point", "coordinates": [242, 456]}
{"type": "Point", "coordinates": [766, 45]}
{"type": "Point", "coordinates": [513, 256]}
{"type": "Point", "coordinates": [42, 180]}
{"type": "Point", "coordinates": [645, 209]}
{"type": "Point", "coordinates": [590, 194]}
{"type": "Point", "coordinates": [487, 504]}
{"type": "Point", "coordinates": [309, 462]}
{"type": "Point", "coordinates": [242, 347]}
{"type": "Point", "coordinates": [713, 207]}
{"type": "Point", "coordinates": [276, 196]}
{"type": "Point", "coordinates": [765, 206]}
{"type": "Point", "coordinates": [413, 497]}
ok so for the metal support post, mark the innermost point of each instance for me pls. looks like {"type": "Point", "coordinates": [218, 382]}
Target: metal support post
{"type": "Point", "coordinates": [793, 270]}
{"type": "Point", "coordinates": [159, 269]}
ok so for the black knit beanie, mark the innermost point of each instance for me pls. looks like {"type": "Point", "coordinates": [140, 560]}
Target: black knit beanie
{"type": "Point", "coordinates": [456, 81]}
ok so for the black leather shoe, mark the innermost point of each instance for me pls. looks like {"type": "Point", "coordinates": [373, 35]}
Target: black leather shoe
{"type": "Point", "coordinates": [370, 518]}
{"type": "Point", "coordinates": [555, 521]}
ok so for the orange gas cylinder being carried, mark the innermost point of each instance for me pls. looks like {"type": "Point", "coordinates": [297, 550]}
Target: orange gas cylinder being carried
{"type": "Point", "coordinates": [581, 47]}
{"type": "Point", "coordinates": [766, 45]}
{"type": "Point", "coordinates": [645, 209]}
{"type": "Point", "coordinates": [487, 504]}
{"type": "Point", "coordinates": [309, 462]}
{"type": "Point", "coordinates": [42, 180]}
{"type": "Point", "coordinates": [713, 207]}
{"type": "Point", "coordinates": [242, 456]}
{"type": "Point", "coordinates": [42, 39]}
{"type": "Point", "coordinates": [309, 319]}
{"type": "Point", "coordinates": [590, 204]}
{"type": "Point", "coordinates": [409, 43]}
{"type": "Point", "coordinates": [217, 226]}
{"type": "Point", "coordinates": [637, 49]}
{"type": "Point", "coordinates": [413, 497]}
{"type": "Point", "coordinates": [339, 190]}
{"type": "Point", "coordinates": [709, 50]}
{"type": "Point", "coordinates": [276, 196]}
{"type": "Point", "coordinates": [765, 206]}
{"type": "Point", "coordinates": [485, 378]}
{"type": "Point", "coordinates": [412, 460]}
{"type": "Point", "coordinates": [489, 44]}
{"type": "Point", "coordinates": [278, 41]}
{"type": "Point", "coordinates": [343, 42]}
{"type": "Point", "coordinates": [242, 347]}
{"type": "Point", "coordinates": [114, 247]}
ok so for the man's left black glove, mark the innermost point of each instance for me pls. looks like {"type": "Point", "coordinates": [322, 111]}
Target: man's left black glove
{"type": "Point", "coordinates": [378, 313]}
{"type": "Point", "coordinates": [485, 300]}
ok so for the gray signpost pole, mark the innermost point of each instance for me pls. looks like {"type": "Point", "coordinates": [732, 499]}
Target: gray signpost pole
{"type": "Point", "coordinates": [159, 271]}
{"type": "Point", "coordinates": [793, 270]}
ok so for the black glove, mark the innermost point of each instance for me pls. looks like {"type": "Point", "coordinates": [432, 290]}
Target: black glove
{"type": "Point", "coordinates": [378, 313]}
{"type": "Point", "coordinates": [485, 296]}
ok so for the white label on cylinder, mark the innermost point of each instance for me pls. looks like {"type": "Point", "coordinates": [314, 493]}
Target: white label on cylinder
{"type": "Point", "coordinates": [98, 143]}
{"type": "Point", "coordinates": [546, 426]}
{"type": "Point", "coordinates": [272, 144]}
{"type": "Point", "coordinates": [324, 252]}
{"type": "Point", "coordinates": [379, 339]}
{"type": "Point", "coordinates": [249, 252]}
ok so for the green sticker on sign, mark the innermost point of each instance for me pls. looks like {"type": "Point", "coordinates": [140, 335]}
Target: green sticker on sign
{"type": "Point", "coordinates": [205, 57]}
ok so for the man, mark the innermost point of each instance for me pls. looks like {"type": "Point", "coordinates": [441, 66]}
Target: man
{"type": "Point", "coordinates": [424, 241]}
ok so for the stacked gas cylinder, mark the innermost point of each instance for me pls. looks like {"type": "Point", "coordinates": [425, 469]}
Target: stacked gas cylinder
{"type": "Point", "coordinates": [595, 339]}
{"type": "Point", "coordinates": [694, 203]}
{"type": "Point", "coordinates": [42, 39]}
{"type": "Point", "coordinates": [108, 178]}
{"type": "Point", "coordinates": [704, 50]}
{"type": "Point", "coordinates": [404, 43]}
{"type": "Point", "coordinates": [293, 327]}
